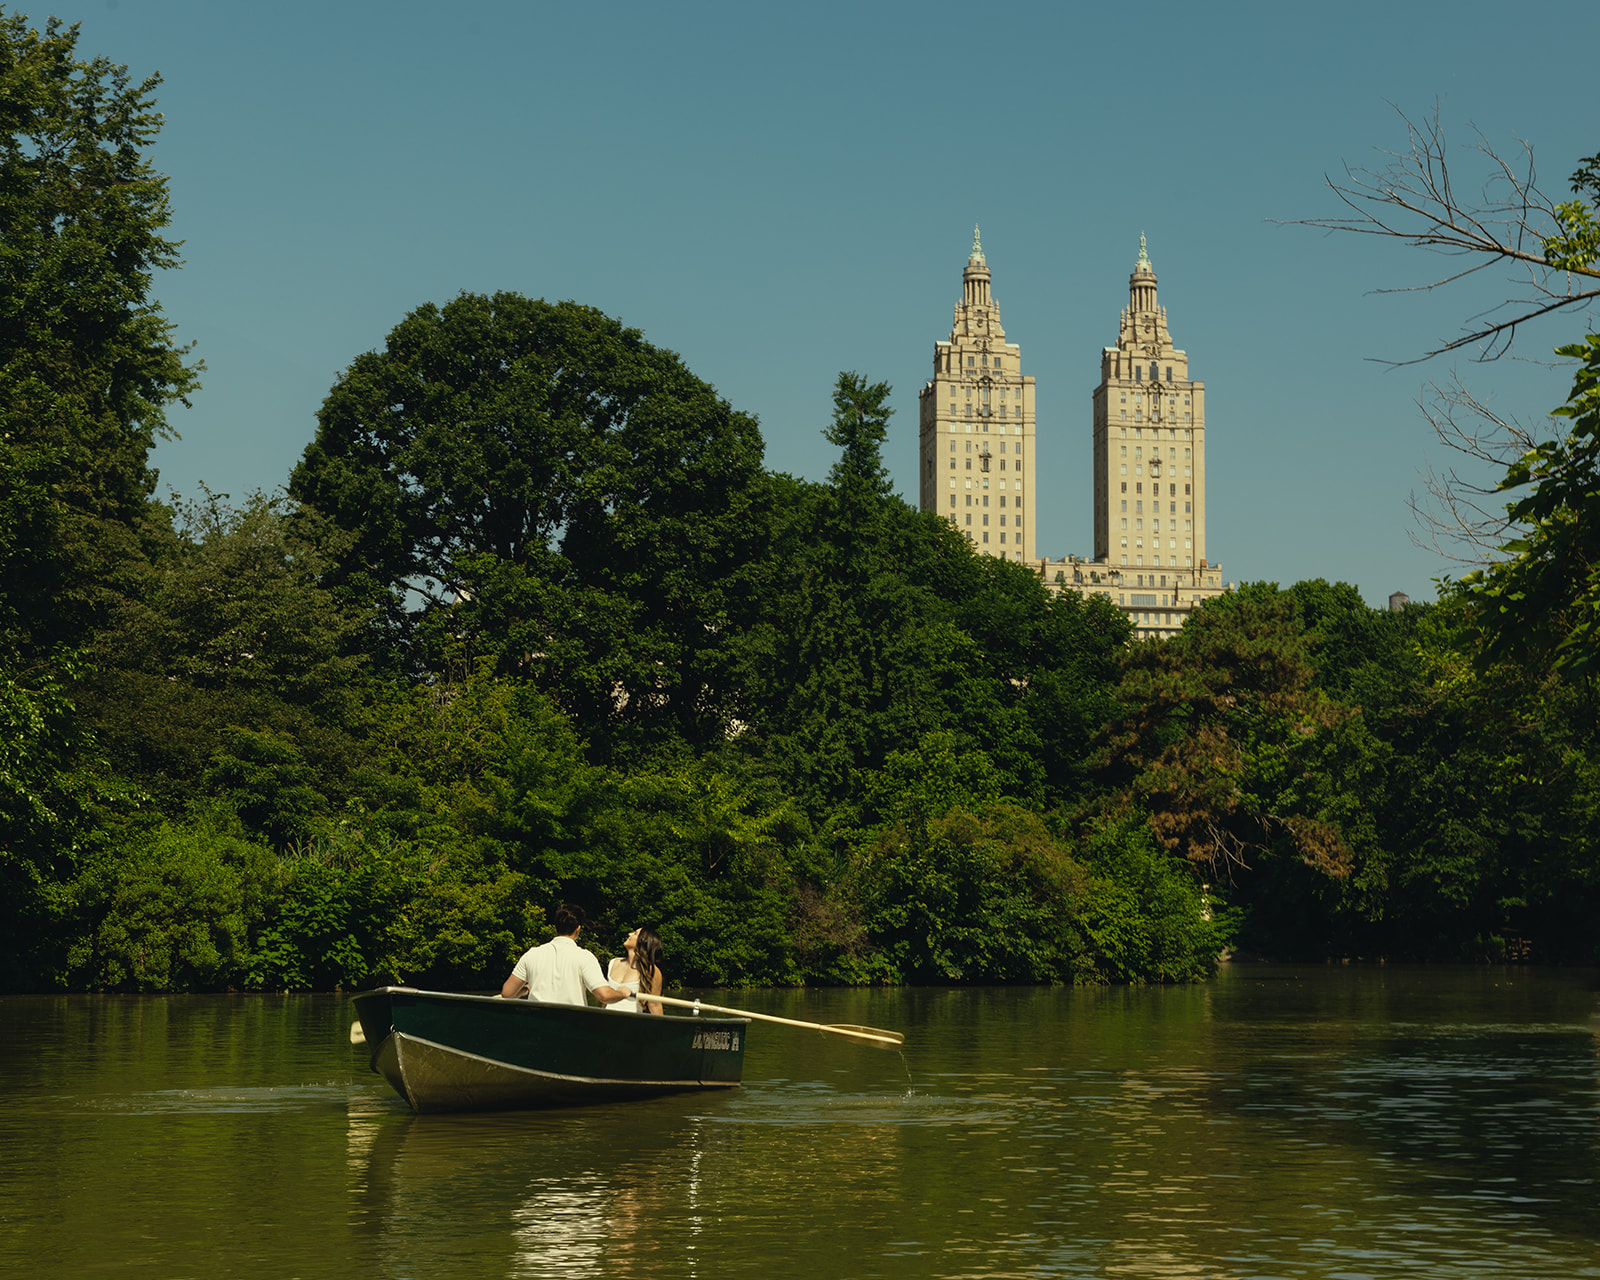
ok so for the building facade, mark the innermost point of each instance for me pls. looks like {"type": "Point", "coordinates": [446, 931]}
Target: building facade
{"type": "Point", "coordinates": [1149, 442]}
{"type": "Point", "coordinates": [978, 447]}
{"type": "Point", "coordinates": [1149, 475]}
{"type": "Point", "coordinates": [976, 421]}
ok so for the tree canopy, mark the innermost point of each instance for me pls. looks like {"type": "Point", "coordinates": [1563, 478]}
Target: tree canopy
{"type": "Point", "coordinates": [538, 480]}
{"type": "Point", "coordinates": [87, 360]}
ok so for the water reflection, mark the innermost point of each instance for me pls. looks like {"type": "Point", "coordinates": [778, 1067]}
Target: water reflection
{"type": "Point", "coordinates": [561, 1228]}
{"type": "Point", "coordinates": [1282, 1123]}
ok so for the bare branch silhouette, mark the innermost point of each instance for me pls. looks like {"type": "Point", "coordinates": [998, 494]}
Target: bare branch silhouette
{"type": "Point", "coordinates": [1415, 199]}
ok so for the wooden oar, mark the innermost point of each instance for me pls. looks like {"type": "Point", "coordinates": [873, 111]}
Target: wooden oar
{"type": "Point", "coordinates": [861, 1035]}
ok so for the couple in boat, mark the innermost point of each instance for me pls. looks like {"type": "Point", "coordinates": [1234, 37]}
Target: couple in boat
{"type": "Point", "coordinates": [560, 971]}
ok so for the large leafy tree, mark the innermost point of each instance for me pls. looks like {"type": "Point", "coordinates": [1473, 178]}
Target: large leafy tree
{"type": "Point", "coordinates": [1226, 744]}
{"type": "Point", "coordinates": [538, 482]}
{"type": "Point", "coordinates": [232, 670]}
{"type": "Point", "coordinates": [87, 361]}
{"type": "Point", "coordinates": [885, 626]}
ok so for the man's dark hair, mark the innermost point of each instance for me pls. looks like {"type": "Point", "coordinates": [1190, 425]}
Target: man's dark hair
{"type": "Point", "coordinates": [569, 919]}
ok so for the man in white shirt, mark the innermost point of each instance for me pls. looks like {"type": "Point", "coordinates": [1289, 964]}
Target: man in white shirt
{"type": "Point", "coordinates": [561, 971]}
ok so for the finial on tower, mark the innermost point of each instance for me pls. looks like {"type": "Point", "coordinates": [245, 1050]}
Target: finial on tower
{"type": "Point", "coordinates": [977, 247]}
{"type": "Point", "coordinates": [1144, 258]}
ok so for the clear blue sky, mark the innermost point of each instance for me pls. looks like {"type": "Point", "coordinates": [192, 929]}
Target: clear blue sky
{"type": "Point", "coordinates": [779, 192]}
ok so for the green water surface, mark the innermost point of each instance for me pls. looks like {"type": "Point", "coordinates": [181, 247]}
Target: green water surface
{"type": "Point", "coordinates": [1319, 1122]}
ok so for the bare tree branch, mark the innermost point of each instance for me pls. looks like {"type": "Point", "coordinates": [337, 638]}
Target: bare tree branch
{"type": "Point", "coordinates": [1464, 518]}
{"type": "Point", "coordinates": [1414, 199]}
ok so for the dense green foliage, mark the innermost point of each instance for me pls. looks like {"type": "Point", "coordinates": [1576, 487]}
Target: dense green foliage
{"type": "Point", "coordinates": [1544, 598]}
{"type": "Point", "coordinates": [531, 623]}
{"type": "Point", "coordinates": [86, 362]}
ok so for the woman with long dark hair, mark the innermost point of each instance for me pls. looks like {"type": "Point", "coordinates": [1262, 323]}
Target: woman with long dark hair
{"type": "Point", "coordinates": [638, 971]}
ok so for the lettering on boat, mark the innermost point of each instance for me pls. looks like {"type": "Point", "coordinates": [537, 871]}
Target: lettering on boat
{"type": "Point", "coordinates": [715, 1040]}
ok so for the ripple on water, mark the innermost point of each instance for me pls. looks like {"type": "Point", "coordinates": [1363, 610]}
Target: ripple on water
{"type": "Point", "coordinates": [225, 1100]}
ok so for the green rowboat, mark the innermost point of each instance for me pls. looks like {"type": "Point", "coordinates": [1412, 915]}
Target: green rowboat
{"type": "Point", "coordinates": [447, 1052]}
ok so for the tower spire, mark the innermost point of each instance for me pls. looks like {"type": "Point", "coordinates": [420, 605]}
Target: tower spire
{"type": "Point", "coordinates": [976, 257]}
{"type": "Point", "coordinates": [1142, 283]}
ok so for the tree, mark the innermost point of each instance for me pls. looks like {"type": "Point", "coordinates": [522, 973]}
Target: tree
{"type": "Point", "coordinates": [1553, 247]}
{"type": "Point", "coordinates": [1544, 598]}
{"type": "Point", "coordinates": [537, 482]}
{"type": "Point", "coordinates": [87, 361]}
{"type": "Point", "coordinates": [228, 667]}
{"type": "Point", "coordinates": [1539, 593]}
{"type": "Point", "coordinates": [1223, 741]}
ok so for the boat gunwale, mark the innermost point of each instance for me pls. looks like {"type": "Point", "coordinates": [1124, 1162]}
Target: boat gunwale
{"type": "Point", "coordinates": [696, 1083]}
{"type": "Point", "coordinates": [527, 1003]}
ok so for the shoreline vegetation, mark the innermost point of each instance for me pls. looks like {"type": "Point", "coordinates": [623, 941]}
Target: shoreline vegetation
{"type": "Point", "coordinates": [531, 622]}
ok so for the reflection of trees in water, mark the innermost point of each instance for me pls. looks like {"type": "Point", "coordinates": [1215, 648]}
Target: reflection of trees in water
{"type": "Point", "coordinates": [1283, 1122]}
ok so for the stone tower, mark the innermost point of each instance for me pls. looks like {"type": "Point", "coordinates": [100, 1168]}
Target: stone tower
{"type": "Point", "coordinates": [1149, 449]}
{"type": "Point", "coordinates": [977, 426]}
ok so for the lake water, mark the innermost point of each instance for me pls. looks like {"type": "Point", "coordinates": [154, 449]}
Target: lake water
{"type": "Point", "coordinates": [1278, 1122]}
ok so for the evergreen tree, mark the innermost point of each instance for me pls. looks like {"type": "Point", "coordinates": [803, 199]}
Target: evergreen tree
{"type": "Point", "coordinates": [87, 361]}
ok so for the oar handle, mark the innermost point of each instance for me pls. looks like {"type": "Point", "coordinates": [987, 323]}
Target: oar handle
{"type": "Point", "coordinates": [888, 1038]}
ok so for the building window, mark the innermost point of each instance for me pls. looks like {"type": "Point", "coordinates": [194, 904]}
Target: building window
{"type": "Point", "coordinates": [1169, 373]}
{"type": "Point", "coordinates": [1138, 373]}
{"type": "Point", "coordinates": [969, 515]}
{"type": "Point", "coordinates": [1124, 490]}
{"type": "Point", "coordinates": [1153, 376]}
{"type": "Point", "coordinates": [986, 521]}
{"type": "Point", "coordinates": [1002, 537]}
{"type": "Point", "coordinates": [986, 537]}
{"type": "Point", "coordinates": [971, 361]}
{"type": "Point", "coordinates": [1124, 472]}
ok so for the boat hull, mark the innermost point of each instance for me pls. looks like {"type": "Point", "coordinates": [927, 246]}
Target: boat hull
{"type": "Point", "coordinates": [446, 1052]}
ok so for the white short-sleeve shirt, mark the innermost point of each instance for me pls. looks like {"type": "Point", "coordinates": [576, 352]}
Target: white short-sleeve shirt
{"type": "Point", "coordinates": [559, 972]}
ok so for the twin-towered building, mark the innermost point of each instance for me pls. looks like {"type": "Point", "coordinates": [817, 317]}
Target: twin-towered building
{"type": "Point", "coordinates": [979, 452]}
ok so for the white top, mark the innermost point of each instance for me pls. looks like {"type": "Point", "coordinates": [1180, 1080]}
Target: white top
{"type": "Point", "coordinates": [559, 972]}
{"type": "Point", "coordinates": [631, 1004]}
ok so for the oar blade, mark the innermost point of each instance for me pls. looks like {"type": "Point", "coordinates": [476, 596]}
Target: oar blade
{"type": "Point", "coordinates": [357, 1034]}
{"type": "Point", "coordinates": [866, 1035]}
